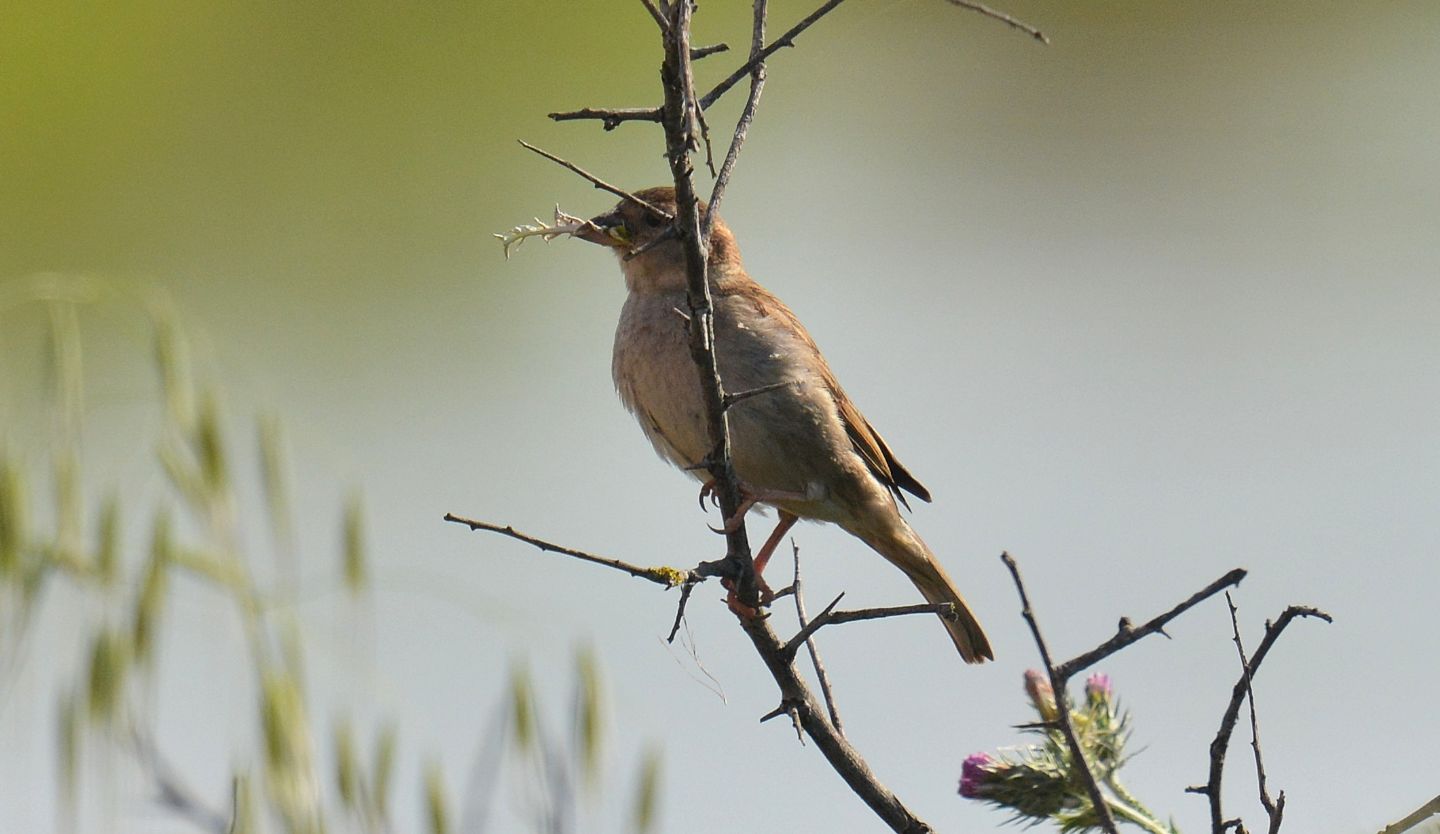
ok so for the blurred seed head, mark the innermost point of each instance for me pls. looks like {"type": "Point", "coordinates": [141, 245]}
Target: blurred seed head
{"type": "Point", "coordinates": [437, 811]}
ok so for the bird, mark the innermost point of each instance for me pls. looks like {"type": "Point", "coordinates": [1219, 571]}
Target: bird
{"type": "Point", "coordinates": [799, 445]}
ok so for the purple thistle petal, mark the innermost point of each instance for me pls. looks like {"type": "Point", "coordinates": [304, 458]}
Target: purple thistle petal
{"type": "Point", "coordinates": [1098, 686]}
{"type": "Point", "coordinates": [974, 773]}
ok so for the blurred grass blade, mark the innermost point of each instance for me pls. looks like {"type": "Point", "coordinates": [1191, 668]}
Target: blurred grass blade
{"type": "Point", "coordinates": [210, 448]}
{"type": "Point", "coordinates": [437, 812]}
{"type": "Point", "coordinates": [69, 513]}
{"type": "Point", "coordinates": [354, 548]}
{"type": "Point", "coordinates": [172, 360]}
{"type": "Point", "coordinates": [109, 663]}
{"type": "Point", "coordinates": [69, 743]}
{"type": "Point", "coordinates": [67, 375]}
{"type": "Point", "coordinates": [242, 815]}
{"type": "Point", "coordinates": [107, 551]}
{"type": "Point", "coordinates": [522, 708]}
{"type": "Point", "coordinates": [384, 768]}
{"type": "Point", "coordinates": [153, 587]}
{"type": "Point", "coordinates": [347, 767]}
{"type": "Point", "coordinates": [273, 478]}
{"type": "Point", "coordinates": [12, 519]}
{"type": "Point", "coordinates": [647, 793]}
{"type": "Point", "coordinates": [589, 724]}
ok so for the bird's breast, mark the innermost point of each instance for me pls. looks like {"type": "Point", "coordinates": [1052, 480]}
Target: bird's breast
{"type": "Point", "coordinates": [788, 439]}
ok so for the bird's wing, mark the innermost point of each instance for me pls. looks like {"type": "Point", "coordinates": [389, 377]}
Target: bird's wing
{"type": "Point", "coordinates": [872, 447]}
{"type": "Point", "coordinates": [867, 442]}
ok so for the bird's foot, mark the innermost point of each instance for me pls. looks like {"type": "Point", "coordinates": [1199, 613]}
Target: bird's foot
{"type": "Point", "coordinates": [749, 497]}
{"type": "Point", "coordinates": [739, 608]}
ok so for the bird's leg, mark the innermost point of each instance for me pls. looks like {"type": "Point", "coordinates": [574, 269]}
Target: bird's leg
{"type": "Point", "coordinates": [762, 558]}
{"type": "Point", "coordinates": [749, 497]}
{"type": "Point", "coordinates": [787, 520]}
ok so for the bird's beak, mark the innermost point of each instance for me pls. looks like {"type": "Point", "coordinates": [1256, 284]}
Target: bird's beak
{"type": "Point", "coordinates": [607, 230]}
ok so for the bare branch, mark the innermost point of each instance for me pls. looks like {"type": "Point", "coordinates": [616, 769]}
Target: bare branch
{"type": "Point", "coordinates": [1004, 18]}
{"type": "Point", "coordinates": [1275, 809]}
{"type": "Point", "coordinates": [1218, 747]}
{"type": "Point", "coordinates": [787, 39]}
{"type": "Point", "coordinates": [609, 117]}
{"type": "Point", "coordinates": [820, 674]}
{"type": "Point", "coordinates": [655, 13]}
{"type": "Point", "coordinates": [1058, 682]}
{"type": "Point", "coordinates": [747, 115]}
{"type": "Point", "coordinates": [679, 120]}
{"type": "Point", "coordinates": [597, 182]}
{"type": "Point", "coordinates": [685, 590]}
{"type": "Point", "coordinates": [832, 617]}
{"type": "Point", "coordinates": [1127, 634]}
{"type": "Point", "coordinates": [669, 577]}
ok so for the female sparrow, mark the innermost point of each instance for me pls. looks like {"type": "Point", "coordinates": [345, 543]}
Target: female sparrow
{"type": "Point", "coordinates": [803, 447]}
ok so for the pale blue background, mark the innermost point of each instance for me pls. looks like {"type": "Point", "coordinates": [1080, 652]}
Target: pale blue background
{"type": "Point", "coordinates": [1156, 301]}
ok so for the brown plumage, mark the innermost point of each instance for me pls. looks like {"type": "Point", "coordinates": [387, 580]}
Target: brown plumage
{"type": "Point", "coordinates": [803, 448]}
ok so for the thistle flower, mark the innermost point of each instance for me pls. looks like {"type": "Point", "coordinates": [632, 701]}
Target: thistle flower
{"type": "Point", "coordinates": [1034, 788]}
{"type": "Point", "coordinates": [977, 768]}
{"type": "Point", "coordinates": [1097, 687]}
{"type": "Point", "coordinates": [1042, 782]}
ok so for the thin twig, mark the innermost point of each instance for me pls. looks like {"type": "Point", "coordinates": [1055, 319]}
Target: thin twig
{"type": "Point", "coordinates": [945, 610]}
{"type": "Point", "coordinates": [747, 115]}
{"type": "Point", "coordinates": [1218, 747]}
{"type": "Point", "coordinates": [655, 13]}
{"type": "Point", "coordinates": [1275, 809]}
{"type": "Point", "coordinates": [1058, 683]}
{"type": "Point", "coordinates": [609, 117]}
{"type": "Point", "coordinates": [740, 396]}
{"type": "Point", "coordinates": [787, 39]}
{"type": "Point", "coordinates": [599, 183]}
{"type": "Point", "coordinates": [685, 590]}
{"type": "Point", "coordinates": [820, 674]}
{"type": "Point", "coordinates": [806, 630]}
{"type": "Point", "coordinates": [1127, 634]}
{"type": "Point", "coordinates": [1004, 18]}
{"type": "Point", "coordinates": [669, 577]}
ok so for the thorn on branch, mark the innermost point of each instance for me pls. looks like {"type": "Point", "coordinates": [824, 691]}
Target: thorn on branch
{"type": "Point", "coordinates": [697, 53]}
{"type": "Point", "coordinates": [791, 708]}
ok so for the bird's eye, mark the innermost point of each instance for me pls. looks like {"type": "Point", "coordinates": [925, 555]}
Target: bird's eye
{"type": "Point", "coordinates": [649, 220]}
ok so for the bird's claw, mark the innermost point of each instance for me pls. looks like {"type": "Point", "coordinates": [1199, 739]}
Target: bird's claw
{"type": "Point", "coordinates": [707, 490]}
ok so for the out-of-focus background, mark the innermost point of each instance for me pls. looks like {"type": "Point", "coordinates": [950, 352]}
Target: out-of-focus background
{"type": "Point", "coordinates": [1158, 300]}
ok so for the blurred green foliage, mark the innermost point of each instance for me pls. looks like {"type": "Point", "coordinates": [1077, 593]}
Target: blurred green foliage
{"type": "Point", "coordinates": [284, 790]}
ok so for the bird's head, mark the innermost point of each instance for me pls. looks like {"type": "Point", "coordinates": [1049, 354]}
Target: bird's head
{"type": "Point", "coordinates": [648, 244]}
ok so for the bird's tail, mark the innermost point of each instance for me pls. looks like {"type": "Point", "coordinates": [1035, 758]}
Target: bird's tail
{"type": "Point", "coordinates": [908, 552]}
